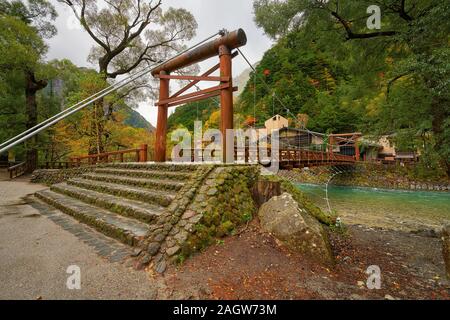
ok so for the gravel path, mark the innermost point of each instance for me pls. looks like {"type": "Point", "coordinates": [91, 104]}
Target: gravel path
{"type": "Point", "coordinates": [35, 253]}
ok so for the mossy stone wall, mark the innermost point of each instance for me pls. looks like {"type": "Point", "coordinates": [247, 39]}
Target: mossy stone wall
{"type": "Point", "coordinates": [223, 202]}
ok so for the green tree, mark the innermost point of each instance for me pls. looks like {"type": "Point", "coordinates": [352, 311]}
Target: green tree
{"type": "Point", "coordinates": [409, 54]}
{"type": "Point", "coordinates": [185, 115]}
{"type": "Point", "coordinates": [23, 28]}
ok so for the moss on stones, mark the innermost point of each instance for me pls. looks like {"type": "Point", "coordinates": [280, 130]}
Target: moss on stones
{"type": "Point", "coordinates": [223, 203]}
{"type": "Point", "coordinates": [53, 176]}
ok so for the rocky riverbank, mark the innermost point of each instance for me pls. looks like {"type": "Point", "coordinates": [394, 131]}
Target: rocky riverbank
{"type": "Point", "coordinates": [367, 175]}
{"type": "Point", "coordinates": [253, 265]}
{"type": "Point", "coordinates": [408, 211]}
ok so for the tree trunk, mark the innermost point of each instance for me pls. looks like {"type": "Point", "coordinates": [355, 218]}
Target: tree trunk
{"type": "Point", "coordinates": [439, 115]}
{"type": "Point", "coordinates": [263, 191]}
{"type": "Point", "coordinates": [32, 87]}
{"type": "Point", "coordinates": [97, 128]}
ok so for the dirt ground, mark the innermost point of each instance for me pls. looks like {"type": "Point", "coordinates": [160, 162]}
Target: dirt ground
{"type": "Point", "coordinates": [3, 174]}
{"type": "Point", "coordinates": [253, 266]}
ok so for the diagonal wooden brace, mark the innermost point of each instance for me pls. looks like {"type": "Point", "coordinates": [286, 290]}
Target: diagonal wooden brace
{"type": "Point", "coordinates": [206, 74]}
{"type": "Point", "coordinates": [193, 94]}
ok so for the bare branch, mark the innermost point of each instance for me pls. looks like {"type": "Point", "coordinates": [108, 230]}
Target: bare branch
{"type": "Point", "coordinates": [392, 81]}
{"type": "Point", "coordinates": [352, 35]}
{"type": "Point", "coordinates": [83, 22]}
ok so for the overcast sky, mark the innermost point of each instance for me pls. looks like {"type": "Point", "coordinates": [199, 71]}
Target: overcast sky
{"type": "Point", "coordinates": [211, 15]}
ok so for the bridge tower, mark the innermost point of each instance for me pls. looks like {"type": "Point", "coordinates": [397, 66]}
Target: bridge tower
{"type": "Point", "coordinates": [221, 47]}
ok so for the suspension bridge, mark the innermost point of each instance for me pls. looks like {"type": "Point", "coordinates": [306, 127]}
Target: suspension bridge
{"type": "Point", "coordinates": [226, 45]}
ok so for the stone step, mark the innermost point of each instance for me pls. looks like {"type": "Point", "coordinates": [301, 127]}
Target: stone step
{"type": "Point", "coordinates": [127, 230]}
{"type": "Point", "coordinates": [142, 211]}
{"type": "Point", "coordinates": [161, 198]}
{"type": "Point", "coordinates": [137, 182]}
{"type": "Point", "coordinates": [166, 167]}
{"type": "Point", "coordinates": [149, 174]}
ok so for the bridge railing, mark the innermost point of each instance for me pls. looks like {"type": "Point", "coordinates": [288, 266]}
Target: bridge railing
{"type": "Point", "coordinates": [295, 155]}
{"type": "Point", "coordinates": [284, 156]}
{"type": "Point", "coordinates": [242, 155]}
{"type": "Point", "coordinates": [17, 170]}
{"type": "Point", "coordinates": [129, 155]}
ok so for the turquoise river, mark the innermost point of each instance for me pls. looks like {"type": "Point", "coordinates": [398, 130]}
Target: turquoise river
{"type": "Point", "coordinates": [409, 210]}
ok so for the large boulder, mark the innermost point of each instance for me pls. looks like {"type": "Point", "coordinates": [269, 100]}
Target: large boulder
{"type": "Point", "coordinates": [283, 218]}
{"type": "Point", "coordinates": [446, 248]}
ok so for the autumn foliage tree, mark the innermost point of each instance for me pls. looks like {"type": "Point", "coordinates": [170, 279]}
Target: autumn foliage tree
{"type": "Point", "coordinates": [79, 134]}
{"type": "Point", "coordinates": [395, 78]}
{"type": "Point", "coordinates": [128, 36]}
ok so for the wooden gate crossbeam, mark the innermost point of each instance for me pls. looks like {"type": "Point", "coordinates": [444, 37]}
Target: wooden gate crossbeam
{"type": "Point", "coordinates": [206, 74]}
{"type": "Point", "coordinates": [194, 78]}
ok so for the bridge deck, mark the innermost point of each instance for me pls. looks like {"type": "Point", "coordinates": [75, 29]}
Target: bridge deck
{"type": "Point", "coordinates": [295, 158]}
{"type": "Point", "coordinates": [308, 158]}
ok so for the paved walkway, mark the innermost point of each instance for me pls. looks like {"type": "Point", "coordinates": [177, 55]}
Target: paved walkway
{"type": "Point", "coordinates": [3, 174]}
{"type": "Point", "coordinates": [36, 250]}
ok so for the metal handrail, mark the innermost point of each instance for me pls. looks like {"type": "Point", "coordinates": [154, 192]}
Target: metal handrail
{"type": "Point", "coordinates": [56, 120]}
{"type": "Point", "coordinates": [63, 112]}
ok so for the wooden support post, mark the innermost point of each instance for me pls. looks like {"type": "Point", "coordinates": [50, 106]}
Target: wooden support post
{"type": "Point", "coordinates": [226, 99]}
{"type": "Point", "coordinates": [161, 127]}
{"type": "Point", "coordinates": [357, 154]}
{"type": "Point", "coordinates": [143, 154]}
{"type": "Point", "coordinates": [330, 144]}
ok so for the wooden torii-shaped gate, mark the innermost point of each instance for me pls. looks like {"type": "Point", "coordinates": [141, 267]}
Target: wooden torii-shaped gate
{"type": "Point", "coordinates": [221, 47]}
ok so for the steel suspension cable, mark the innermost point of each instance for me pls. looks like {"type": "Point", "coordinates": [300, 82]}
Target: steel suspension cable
{"type": "Point", "coordinates": [67, 110]}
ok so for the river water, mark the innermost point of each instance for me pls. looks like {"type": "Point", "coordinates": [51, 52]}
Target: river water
{"type": "Point", "coordinates": [406, 210]}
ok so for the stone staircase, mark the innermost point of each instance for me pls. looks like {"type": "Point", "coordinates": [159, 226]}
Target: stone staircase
{"type": "Point", "coordinates": [122, 201]}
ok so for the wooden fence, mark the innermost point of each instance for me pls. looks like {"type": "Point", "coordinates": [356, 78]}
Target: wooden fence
{"type": "Point", "coordinates": [130, 155]}
{"type": "Point", "coordinates": [17, 170]}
